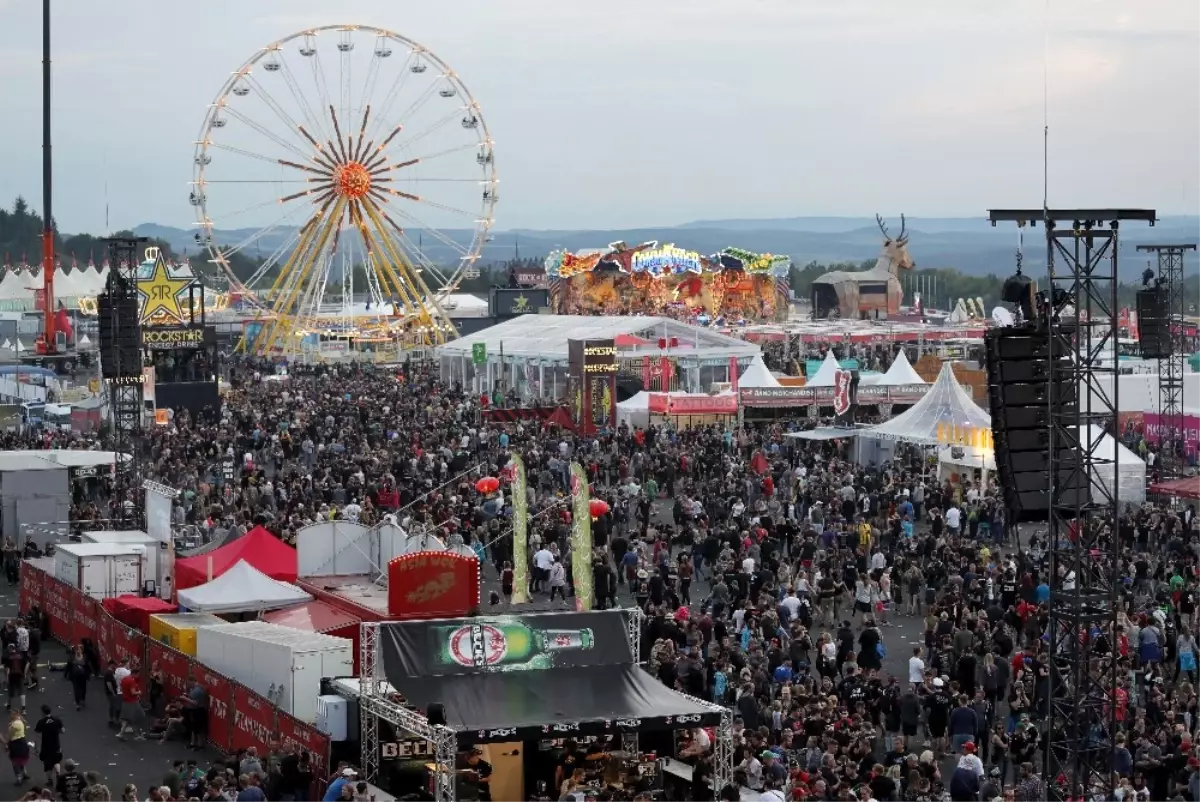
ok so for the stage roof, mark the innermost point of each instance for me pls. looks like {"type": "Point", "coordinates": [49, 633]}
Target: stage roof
{"type": "Point", "coordinates": [545, 337]}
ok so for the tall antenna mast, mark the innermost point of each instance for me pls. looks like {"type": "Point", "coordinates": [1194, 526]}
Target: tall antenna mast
{"type": "Point", "coordinates": [1046, 106]}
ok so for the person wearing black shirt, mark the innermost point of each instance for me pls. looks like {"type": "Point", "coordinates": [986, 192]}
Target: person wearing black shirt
{"type": "Point", "coordinates": [70, 783]}
{"type": "Point", "coordinates": [939, 704]}
{"type": "Point", "coordinates": [51, 730]}
{"type": "Point", "coordinates": [482, 775]}
{"type": "Point", "coordinates": [15, 665]}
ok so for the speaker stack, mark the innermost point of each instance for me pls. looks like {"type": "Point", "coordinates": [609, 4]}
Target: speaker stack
{"type": "Point", "coordinates": [120, 335]}
{"type": "Point", "coordinates": [1020, 375]}
{"type": "Point", "coordinates": [1154, 323]}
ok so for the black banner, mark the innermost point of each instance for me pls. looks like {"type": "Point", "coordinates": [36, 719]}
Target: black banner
{"type": "Point", "coordinates": [512, 302]}
{"type": "Point", "coordinates": [195, 397]}
{"type": "Point", "coordinates": [592, 383]}
{"type": "Point", "coordinates": [494, 644]}
{"type": "Point", "coordinates": [599, 727]}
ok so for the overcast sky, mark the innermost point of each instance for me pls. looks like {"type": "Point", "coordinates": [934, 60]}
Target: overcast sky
{"type": "Point", "coordinates": [653, 112]}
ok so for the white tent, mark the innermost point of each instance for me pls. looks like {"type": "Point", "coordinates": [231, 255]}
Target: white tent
{"type": "Point", "coordinates": [825, 375]}
{"type": "Point", "coordinates": [757, 375]}
{"type": "Point", "coordinates": [900, 373]}
{"type": "Point", "coordinates": [635, 410]}
{"type": "Point", "coordinates": [241, 589]}
{"type": "Point", "coordinates": [959, 314]}
{"type": "Point", "coordinates": [1115, 458]}
{"type": "Point", "coordinates": [946, 403]}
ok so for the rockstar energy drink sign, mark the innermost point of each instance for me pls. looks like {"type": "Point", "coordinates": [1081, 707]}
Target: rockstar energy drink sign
{"type": "Point", "coordinates": [592, 384]}
{"type": "Point", "coordinates": [161, 339]}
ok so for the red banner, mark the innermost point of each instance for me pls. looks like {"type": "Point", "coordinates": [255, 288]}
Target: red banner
{"type": "Point", "coordinates": [174, 667]}
{"type": "Point", "coordinates": [130, 645]}
{"type": "Point", "coordinates": [295, 734]}
{"type": "Point", "coordinates": [57, 598]}
{"type": "Point", "coordinates": [663, 404]}
{"type": "Point", "coordinates": [647, 374]}
{"type": "Point", "coordinates": [253, 720]}
{"type": "Point", "coordinates": [429, 584]}
{"type": "Point", "coordinates": [220, 707]}
{"type": "Point", "coordinates": [31, 587]}
{"type": "Point", "coordinates": [734, 375]}
{"type": "Point", "coordinates": [83, 617]}
{"type": "Point", "coordinates": [105, 631]}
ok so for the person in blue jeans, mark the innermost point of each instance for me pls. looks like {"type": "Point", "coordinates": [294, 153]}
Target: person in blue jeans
{"type": "Point", "coordinates": [964, 723]}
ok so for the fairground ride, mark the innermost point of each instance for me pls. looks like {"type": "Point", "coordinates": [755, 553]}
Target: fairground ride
{"type": "Point", "coordinates": [341, 147]}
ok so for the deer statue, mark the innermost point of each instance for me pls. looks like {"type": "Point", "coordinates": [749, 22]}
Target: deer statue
{"type": "Point", "coordinates": [894, 257]}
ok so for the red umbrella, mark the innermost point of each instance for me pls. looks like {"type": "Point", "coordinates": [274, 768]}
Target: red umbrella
{"type": "Point", "coordinates": [488, 484]}
{"type": "Point", "coordinates": [597, 507]}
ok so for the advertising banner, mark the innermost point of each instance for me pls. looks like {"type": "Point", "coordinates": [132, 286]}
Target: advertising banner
{"type": "Point", "coordinates": [83, 617]}
{"type": "Point", "coordinates": [489, 644]}
{"type": "Point", "coordinates": [432, 584]}
{"type": "Point", "coordinates": [295, 734]}
{"type": "Point", "coordinates": [592, 384]}
{"type": "Point", "coordinates": [581, 537]}
{"type": "Point", "coordinates": [520, 502]}
{"type": "Point", "coordinates": [824, 396]}
{"type": "Point", "coordinates": [174, 667]}
{"type": "Point", "coordinates": [31, 588]}
{"type": "Point", "coordinates": [128, 645]}
{"type": "Point", "coordinates": [512, 302]}
{"type": "Point", "coordinates": [220, 708]}
{"type": "Point", "coordinates": [664, 404]}
{"type": "Point", "coordinates": [105, 625]}
{"type": "Point", "coordinates": [253, 720]}
{"type": "Point", "coordinates": [158, 517]}
{"type": "Point", "coordinates": [1154, 429]}
{"type": "Point", "coordinates": [57, 597]}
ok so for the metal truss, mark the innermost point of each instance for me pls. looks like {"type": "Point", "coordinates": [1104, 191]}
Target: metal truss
{"type": "Point", "coordinates": [378, 700]}
{"type": "Point", "coordinates": [1170, 368]}
{"type": "Point", "coordinates": [126, 391]}
{"type": "Point", "coordinates": [633, 631]}
{"type": "Point", "coordinates": [723, 753]}
{"type": "Point", "coordinates": [1079, 305]}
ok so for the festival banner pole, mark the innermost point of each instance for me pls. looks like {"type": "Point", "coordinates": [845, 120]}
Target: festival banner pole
{"type": "Point", "coordinates": [520, 501]}
{"type": "Point", "coordinates": [581, 538]}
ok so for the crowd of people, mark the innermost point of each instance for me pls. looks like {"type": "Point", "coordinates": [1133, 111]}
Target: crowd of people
{"type": "Point", "coordinates": [773, 573]}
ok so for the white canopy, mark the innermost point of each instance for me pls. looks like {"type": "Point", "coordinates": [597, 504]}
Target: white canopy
{"type": "Point", "coordinates": [946, 403]}
{"type": "Point", "coordinates": [757, 375]}
{"type": "Point", "coordinates": [825, 375]}
{"type": "Point", "coordinates": [959, 314]}
{"type": "Point", "coordinates": [241, 589]}
{"type": "Point", "coordinates": [900, 373]}
{"type": "Point", "coordinates": [1114, 458]}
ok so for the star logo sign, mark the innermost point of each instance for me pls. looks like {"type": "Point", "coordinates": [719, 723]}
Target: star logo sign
{"type": "Point", "coordinates": [160, 293]}
{"type": "Point", "coordinates": [520, 303]}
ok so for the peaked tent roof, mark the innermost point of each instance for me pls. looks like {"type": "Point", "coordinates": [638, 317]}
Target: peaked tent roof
{"type": "Point", "coordinates": [258, 547]}
{"type": "Point", "coordinates": [757, 375]}
{"type": "Point", "coordinates": [900, 372]}
{"type": "Point", "coordinates": [945, 403]}
{"type": "Point", "coordinates": [242, 588]}
{"type": "Point", "coordinates": [959, 314]}
{"type": "Point", "coordinates": [825, 375]}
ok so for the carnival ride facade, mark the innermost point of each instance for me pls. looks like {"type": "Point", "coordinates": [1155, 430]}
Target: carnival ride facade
{"type": "Point", "coordinates": [661, 279]}
{"type": "Point", "coordinates": [875, 293]}
{"type": "Point", "coordinates": [335, 148]}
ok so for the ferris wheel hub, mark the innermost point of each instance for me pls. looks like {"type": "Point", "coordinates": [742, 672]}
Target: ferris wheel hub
{"type": "Point", "coordinates": [352, 180]}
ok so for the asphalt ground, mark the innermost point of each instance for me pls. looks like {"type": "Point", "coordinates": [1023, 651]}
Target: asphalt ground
{"type": "Point", "coordinates": [88, 739]}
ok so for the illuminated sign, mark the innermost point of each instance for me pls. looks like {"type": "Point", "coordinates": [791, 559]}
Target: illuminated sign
{"type": "Point", "coordinates": [160, 293]}
{"type": "Point", "coordinates": [667, 259]}
{"type": "Point", "coordinates": [157, 339]}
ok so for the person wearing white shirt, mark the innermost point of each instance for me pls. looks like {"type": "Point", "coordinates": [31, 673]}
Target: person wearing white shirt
{"type": "Point", "coordinates": [791, 603]}
{"type": "Point", "coordinates": [970, 760]}
{"type": "Point", "coordinates": [916, 667]}
{"type": "Point", "coordinates": [953, 519]}
{"type": "Point", "coordinates": [748, 565]}
{"type": "Point", "coordinates": [542, 562]}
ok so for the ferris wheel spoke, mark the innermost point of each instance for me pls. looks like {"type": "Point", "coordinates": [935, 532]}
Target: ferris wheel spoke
{"type": "Point", "coordinates": [289, 123]}
{"type": "Point", "coordinates": [444, 207]}
{"type": "Point", "coordinates": [368, 90]}
{"type": "Point", "coordinates": [447, 152]}
{"type": "Point", "coordinates": [315, 120]}
{"type": "Point", "coordinates": [416, 105]}
{"type": "Point", "coordinates": [244, 210]}
{"type": "Point", "coordinates": [357, 153]}
{"type": "Point", "coordinates": [394, 92]}
{"type": "Point", "coordinates": [425, 228]}
{"type": "Point", "coordinates": [318, 72]}
{"type": "Point", "coordinates": [408, 143]}
{"type": "Point", "coordinates": [344, 73]}
{"type": "Point", "coordinates": [278, 140]}
{"type": "Point", "coordinates": [242, 152]}
{"type": "Point", "coordinates": [423, 179]}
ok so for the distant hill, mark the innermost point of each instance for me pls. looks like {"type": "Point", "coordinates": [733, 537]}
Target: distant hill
{"type": "Point", "coordinates": [970, 245]}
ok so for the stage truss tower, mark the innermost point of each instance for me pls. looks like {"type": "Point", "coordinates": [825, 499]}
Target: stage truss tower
{"type": "Point", "coordinates": [1080, 307]}
{"type": "Point", "coordinates": [1170, 367]}
{"type": "Point", "coordinates": [125, 391]}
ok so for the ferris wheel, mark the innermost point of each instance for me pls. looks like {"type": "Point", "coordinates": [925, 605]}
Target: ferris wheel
{"type": "Point", "coordinates": [342, 148]}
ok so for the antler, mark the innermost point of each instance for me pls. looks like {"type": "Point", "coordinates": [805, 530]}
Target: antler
{"type": "Point", "coordinates": [882, 227]}
{"type": "Point", "coordinates": [902, 227]}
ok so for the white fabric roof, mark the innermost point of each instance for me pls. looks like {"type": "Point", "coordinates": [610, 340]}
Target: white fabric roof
{"type": "Point", "coordinates": [545, 337]}
{"type": "Point", "coordinates": [945, 403]}
{"type": "Point", "coordinates": [959, 314]}
{"type": "Point", "coordinates": [900, 372]}
{"type": "Point", "coordinates": [640, 400]}
{"type": "Point", "coordinates": [757, 375]}
{"type": "Point", "coordinates": [243, 588]}
{"type": "Point", "coordinates": [824, 376]}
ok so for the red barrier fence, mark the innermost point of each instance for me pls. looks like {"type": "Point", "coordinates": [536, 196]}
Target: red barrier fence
{"type": "Point", "coordinates": [237, 717]}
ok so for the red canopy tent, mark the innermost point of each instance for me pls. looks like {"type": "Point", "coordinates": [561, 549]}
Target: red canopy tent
{"type": "Point", "coordinates": [1179, 488]}
{"type": "Point", "coordinates": [135, 611]}
{"type": "Point", "coordinates": [322, 617]}
{"type": "Point", "coordinates": [258, 547]}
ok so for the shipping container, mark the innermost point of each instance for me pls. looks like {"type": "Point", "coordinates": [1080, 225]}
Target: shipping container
{"type": "Point", "coordinates": [153, 561]}
{"type": "Point", "coordinates": [178, 630]}
{"type": "Point", "coordinates": [100, 570]}
{"type": "Point", "coordinates": [283, 664]}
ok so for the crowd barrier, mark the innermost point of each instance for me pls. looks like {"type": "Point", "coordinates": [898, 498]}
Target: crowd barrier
{"type": "Point", "coordinates": [238, 718]}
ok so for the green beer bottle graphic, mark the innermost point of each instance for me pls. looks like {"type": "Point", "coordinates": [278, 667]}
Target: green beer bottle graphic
{"type": "Point", "coordinates": [505, 645]}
